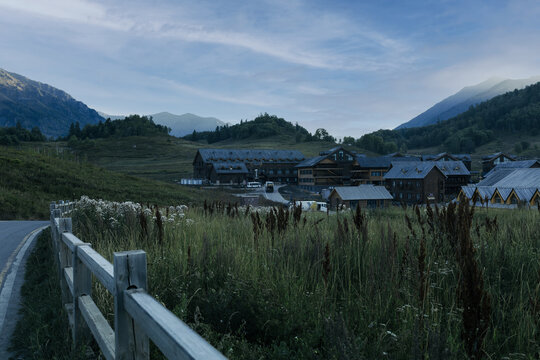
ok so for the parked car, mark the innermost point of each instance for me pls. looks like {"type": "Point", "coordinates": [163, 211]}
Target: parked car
{"type": "Point", "coordinates": [269, 186]}
{"type": "Point", "coordinates": [253, 184]}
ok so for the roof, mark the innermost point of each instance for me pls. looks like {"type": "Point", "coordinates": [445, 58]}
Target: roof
{"type": "Point", "coordinates": [522, 164]}
{"type": "Point", "coordinates": [224, 155]}
{"type": "Point", "coordinates": [230, 168]}
{"type": "Point", "coordinates": [504, 192]}
{"type": "Point", "coordinates": [462, 157]}
{"type": "Point", "coordinates": [513, 178]}
{"type": "Point", "coordinates": [362, 192]}
{"type": "Point", "coordinates": [496, 155]}
{"type": "Point", "coordinates": [525, 193]}
{"type": "Point", "coordinates": [468, 191]}
{"type": "Point", "coordinates": [382, 161]}
{"type": "Point", "coordinates": [453, 168]}
{"type": "Point", "coordinates": [411, 170]}
{"type": "Point", "coordinates": [485, 191]}
{"type": "Point", "coordinates": [311, 162]}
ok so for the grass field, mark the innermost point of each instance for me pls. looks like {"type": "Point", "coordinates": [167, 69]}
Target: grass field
{"type": "Point", "coordinates": [397, 284]}
{"type": "Point", "coordinates": [29, 181]}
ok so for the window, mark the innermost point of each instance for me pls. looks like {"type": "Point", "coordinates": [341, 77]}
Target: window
{"type": "Point", "coordinates": [341, 155]}
{"type": "Point", "coordinates": [418, 197]}
{"type": "Point", "coordinates": [401, 195]}
{"type": "Point", "coordinates": [418, 183]}
{"type": "Point", "coordinates": [280, 171]}
{"type": "Point", "coordinates": [375, 173]}
{"type": "Point", "coordinates": [271, 171]}
{"type": "Point", "coordinates": [335, 156]}
{"type": "Point", "coordinates": [349, 157]}
{"type": "Point", "coordinates": [409, 196]}
{"type": "Point", "coordinates": [394, 183]}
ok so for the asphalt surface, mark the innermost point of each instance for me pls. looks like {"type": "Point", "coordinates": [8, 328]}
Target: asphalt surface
{"type": "Point", "coordinates": [274, 196]}
{"type": "Point", "coordinates": [16, 241]}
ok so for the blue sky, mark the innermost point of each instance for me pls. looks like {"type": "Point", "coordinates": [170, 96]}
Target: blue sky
{"type": "Point", "coordinates": [348, 66]}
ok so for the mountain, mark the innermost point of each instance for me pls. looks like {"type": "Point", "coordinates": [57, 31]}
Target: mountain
{"type": "Point", "coordinates": [36, 104]}
{"type": "Point", "coordinates": [512, 117]}
{"type": "Point", "coordinates": [180, 125]}
{"type": "Point", "coordinates": [185, 124]}
{"type": "Point", "coordinates": [463, 99]}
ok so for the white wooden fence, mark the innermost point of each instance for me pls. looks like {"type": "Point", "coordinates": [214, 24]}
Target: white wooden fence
{"type": "Point", "coordinates": [138, 317]}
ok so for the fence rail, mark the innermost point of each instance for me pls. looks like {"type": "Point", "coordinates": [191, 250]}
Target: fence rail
{"type": "Point", "coordinates": [138, 317]}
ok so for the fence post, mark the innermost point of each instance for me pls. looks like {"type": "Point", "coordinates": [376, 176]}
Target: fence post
{"type": "Point", "coordinates": [82, 285]}
{"type": "Point", "coordinates": [129, 273]}
{"type": "Point", "coordinates": [65, 258]}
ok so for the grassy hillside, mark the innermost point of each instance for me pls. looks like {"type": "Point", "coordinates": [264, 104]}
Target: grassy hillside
{"type": "Point", "coordinates": [29, 181]}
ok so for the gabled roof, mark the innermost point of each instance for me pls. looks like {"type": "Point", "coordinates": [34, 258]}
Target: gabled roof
{"type": "Point", "coordinates": [311, 162]}
{"type": "Point", "coordinates": [513, 178]}
{"type": "Point", "coordinates": [468, 191]}
{"type": "Point", "coordinates": [522, 164]}
{"type": "Point", "coordinates": [525, 193]}
{"type": "Point", "coordinates": [504, 192]}
{"type": "Point", "coordinates": [496, 155]}
{"type": "Point", "coordinates": [382, 162]}
{"type": "Point", "coordinates": [411, 170]}
{"type": "Point", "coordinates": [453, 168]}
{"type": "Point", "coordinates": [485, 191]}
{"type": "Point", "coordinates": [230, 168]}
{"type": "Point", "coordinates": [228, 155]}
{"type": "Point", "coordinates": [362, 192]}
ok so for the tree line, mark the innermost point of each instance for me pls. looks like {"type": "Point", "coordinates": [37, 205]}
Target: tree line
{"type": "Point", "coordinates": [17, 134]}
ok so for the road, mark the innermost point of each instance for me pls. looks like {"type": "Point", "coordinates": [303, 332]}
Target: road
{"type": "Point", "coordinates": [274, 196]}
{"type": "Point", "coordinates": [16, 238]}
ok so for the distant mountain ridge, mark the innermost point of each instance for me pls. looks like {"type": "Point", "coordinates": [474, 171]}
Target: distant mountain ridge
{"type": "Point", "coordinates": [463, 99]}
{"type": "Point", "coordinates": [180, 125]}
{"type": "Point", "coordinates": [32, 103]}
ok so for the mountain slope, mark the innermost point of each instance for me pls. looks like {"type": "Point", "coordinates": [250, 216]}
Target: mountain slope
{"type": "Point", "coordinates": [463, 99]}
{"type": "Point", "coordinates": [513, 116]}
{"type": "Point", "coordinates": [36, 104]}
{"type": "Point", "coordinates": [185, 124]}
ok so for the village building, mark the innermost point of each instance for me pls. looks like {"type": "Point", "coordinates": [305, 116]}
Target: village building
{"type": "Point", "coordinates": [464, 158]}
{"type": "Point", "coordinates": [232, 166]}
{"type": "Point", "coordinates": [521, 164]}
{"type": "Point", "coordinates": [371, 170]}
{"type": "Point", "coordinates": [490, 161]}
{"type": "Point", "coordinates": [367, 196]}
{"type": "Point", "coordinates": [506, 187]}
{"type": "Point", "coordinates": [457, 175]}
{"type": "Point", "coordinates": [331, 168]}
{"type": "Point", "coordinates": [415, 182]}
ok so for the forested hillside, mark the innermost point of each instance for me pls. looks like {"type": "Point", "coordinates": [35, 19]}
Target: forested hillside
{"type": "Point", "coordinates": [133, 125]}
{"type": "Point", "coordinates": [263, 126]}
{"type": "Point", "coordinates": [513, 113]}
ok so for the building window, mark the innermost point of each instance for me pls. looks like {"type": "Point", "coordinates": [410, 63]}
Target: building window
{"type": "Point", "coordinates": [375, 173]}
{"type": "Point", "coordinates": [394, 183]}
{"type": "Point", "coordinates": [271, 171]}
{"type": "Point", "coordinates": [280, 171]}
{"type": "Point", "coordinates": [341, 155]}
{"type": "Point", "coordinates": [418, 197]}
{"type": "Point", "coordinates": [409, 196]}
{"type": "Point", "coordinates": [349, 157]}
{"type": "Point", "coordinates": [418, 184]}
{"type": "Point", "coordinates": [401, 195]}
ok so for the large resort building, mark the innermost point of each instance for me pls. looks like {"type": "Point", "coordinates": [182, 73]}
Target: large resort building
{"type": "Point", "coordinates": [230, 166]}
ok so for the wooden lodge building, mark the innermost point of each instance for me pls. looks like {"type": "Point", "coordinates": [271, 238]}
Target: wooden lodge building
{"type": "Point", "coordinates": [231, 166]}
{"type": "Point", "coordinates": [464, 158]}
{"type": "Point", "coordinates": [490, 161]}
{"type": "Point", "coordinates": [416, 182]}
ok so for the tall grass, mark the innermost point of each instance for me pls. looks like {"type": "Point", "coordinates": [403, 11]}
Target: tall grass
{"type": "Point", "coordinates": [396, 283]}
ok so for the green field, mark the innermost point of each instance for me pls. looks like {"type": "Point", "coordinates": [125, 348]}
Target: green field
{"type": "Point", "coordinates": [437, 283]}
{"type": "Point", "coordinates": [30, 180]}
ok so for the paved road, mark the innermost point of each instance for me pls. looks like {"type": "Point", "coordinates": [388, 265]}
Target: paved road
{"type": "Point", "coordinates": [273, 196]}
{"type": "Point", "coordinates": [16, 237]}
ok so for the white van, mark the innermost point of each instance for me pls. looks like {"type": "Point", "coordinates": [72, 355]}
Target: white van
{"type": "Point", "coordinates": [253, 184]}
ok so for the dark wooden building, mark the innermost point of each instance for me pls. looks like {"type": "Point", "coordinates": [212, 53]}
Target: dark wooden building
{"type": "Point", "coordinates": [490, 161]}
{"type": "Point", "coordinates": [331, 168]}
{"type": "Point", "coordinates": [457, 175]}
{"type": "Point", "coordinates": [371, 170]}
{"type": "Point", "coordinates": [415, 182]}
{"type": "Point", "coordinates": [239, 166]}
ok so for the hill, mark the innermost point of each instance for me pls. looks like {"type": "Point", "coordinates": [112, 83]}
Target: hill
{"type": "Point", "coordinates": [512, 118]}
{"type": "Point", "coordinates": [30, 180]}
{"type": "Point", "coordinates": [32, 104]}
{"type": "Point", "coordinates": [465, 98]}
{"type": "Point", "coordinates": [263, 126]}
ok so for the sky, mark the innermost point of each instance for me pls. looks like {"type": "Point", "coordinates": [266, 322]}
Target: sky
{"type": "Point", "coordinates": [351, 67]}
